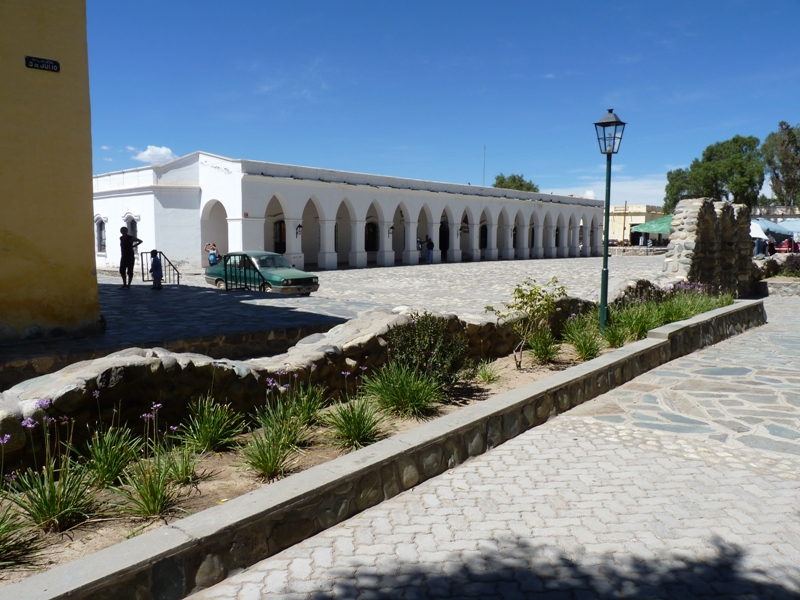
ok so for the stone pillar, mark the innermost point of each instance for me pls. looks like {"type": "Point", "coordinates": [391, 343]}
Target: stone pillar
{"type": "Point", "coordinates": [294, 246]}
{"type": "Point", "coordinates": [563, 242]}
{"type": "Point", "coordinates": [597, 241]}
{"type": "Point", "coordinates": [358, 257]}
{"type": "Point", "coordinates": [549, 241]}
{"type": "Point", "coordinates": [473, 243]}
{"type": "Point", "coordinates": [326, 259]}
{"type": "Point", "coordinates": [538, 242]}
{"type": "Point", "coordinates": [586, 249]}
{"type": "Point", "coordinates": [491, 242]}
{"type": "Point", "coordinates": [411, 254]}
{"type": "Point", "coordinates": [507, 251]}
{"type": "Point", "coordinates": [574, 244]}
{"type": "Point", "coordinates": [385, 252]}
{"type": "Point", "coordinates": [523, 235]}
{"type": "Point", "coordinates": [454, 252]}
{"type": "Point", "coordinates": [433, 233]}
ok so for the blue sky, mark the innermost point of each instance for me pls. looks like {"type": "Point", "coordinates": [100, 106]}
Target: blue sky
{"type": "Point", "coordinates": [417, 89]}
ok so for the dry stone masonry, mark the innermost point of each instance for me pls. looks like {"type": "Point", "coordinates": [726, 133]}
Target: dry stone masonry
{"type": "Point", "coordinates": [710, 243]}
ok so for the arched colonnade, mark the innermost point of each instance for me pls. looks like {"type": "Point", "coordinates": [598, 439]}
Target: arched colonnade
{"type": "Point", "coordinates": [328, 226]}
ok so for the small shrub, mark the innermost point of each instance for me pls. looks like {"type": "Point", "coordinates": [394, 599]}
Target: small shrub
{"type": "Point", "coordinates": [148, 488]}
{"type": "Point", "coordinates": [401, 390]}
{"type": "Point", "coordinates": [427, 345]}
{"type": "Point", "coordinates": [306, 402]}
{"type": "Point", "coordinates": [279, 419]}
{"type": "Point", "coordinates": [268, 453]}
{"type": "Point", "coordinates": [355, 424]}
{"type": "Point", "coordinates": [637, 319]}
{"type": "Point", "coordinates": [108, 453]}
{"type": "Point", "coordinates": [181, 465]}
{"type": "Point", "coordinates": [211, 426]}
{"type": "Point", "coordinates": [580, 331]}
{"type": "Point", "coordinates": [615, 335]}
{"type": "Point", "coordinates": [57, 497]}
{"type": "Point", "coordinates": [18, 540]}
{"type": "Point", "coordinates": [530, 310]}
{"type": "Point", "coordinates": [791, 266]}
{"type": "Point", "coordinates": [542, 345]}
{"type": "Point", "coordinates": [486, 372]}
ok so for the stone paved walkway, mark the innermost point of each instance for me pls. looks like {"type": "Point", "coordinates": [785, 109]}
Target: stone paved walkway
{"type": "Point", "coordinates": [681, 484]}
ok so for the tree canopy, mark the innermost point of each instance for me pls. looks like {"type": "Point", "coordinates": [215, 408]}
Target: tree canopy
{"type": "Point", "coordinates": [781, 152]}
{"type": "Point", "coordinates": [515, 182]}
{"type": "Point", "coordinates": [732, 170]}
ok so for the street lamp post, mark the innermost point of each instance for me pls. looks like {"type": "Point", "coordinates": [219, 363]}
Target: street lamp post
{"type": "Point", "coordinates": [609, 135]}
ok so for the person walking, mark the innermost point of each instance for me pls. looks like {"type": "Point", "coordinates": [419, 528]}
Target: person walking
{"type": "Point", "coordinates": [429, 247]}
{"type": "Point", "coordinates": [127, 249]}
{"type": "Point", "coordinates": [155, 269]}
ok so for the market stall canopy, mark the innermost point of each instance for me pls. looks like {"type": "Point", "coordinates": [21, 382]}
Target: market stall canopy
{"type": "Point", "coordinates": [777, 231]}
{"type": "Point", "coordinates": [756, 232]}
{"type": "Point", "coordinates": [791, 225]}
{"type": "Point", "coordinates": [662, 226]}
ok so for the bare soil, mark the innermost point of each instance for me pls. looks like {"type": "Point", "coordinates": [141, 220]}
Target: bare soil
{"type": "Point", "coordinates": [224, 476]}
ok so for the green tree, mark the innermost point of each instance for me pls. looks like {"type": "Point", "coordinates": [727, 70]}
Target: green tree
{"type": "Point", "coordinates": [515, 182]}
{"type": "Point", "coordinates": [732, 170]}
{"type": "Point", "coordinates": [781, 152]}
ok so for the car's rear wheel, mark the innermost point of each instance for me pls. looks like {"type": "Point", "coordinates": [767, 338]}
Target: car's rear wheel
{"type": "Point", "coordinates": [305, 294]}
{"type": "Point", "coordinates": [220, 284]}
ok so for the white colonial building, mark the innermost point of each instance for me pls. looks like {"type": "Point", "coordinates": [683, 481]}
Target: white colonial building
{"type": "Point", "coordinates": [320, 218]}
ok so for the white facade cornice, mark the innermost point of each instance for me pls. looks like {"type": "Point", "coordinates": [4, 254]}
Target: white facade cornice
{"type": "Point", "coordinates": [135, 191]}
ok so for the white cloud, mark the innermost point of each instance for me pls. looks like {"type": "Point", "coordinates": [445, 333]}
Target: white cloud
{"type": "Point", "coordinates": [642, 190]}
{"type": "Point", "coordinates": [105, 147]}
{"type": "Point", "coordinates": [155, 155]}
{"type": "Point", "coordinates": [130, 148]}
{"type": "Point", "coordinates": [108, 159]}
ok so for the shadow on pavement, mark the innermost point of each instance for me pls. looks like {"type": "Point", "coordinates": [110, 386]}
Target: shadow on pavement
{"type": "Point", "coordinates": [522, 570]}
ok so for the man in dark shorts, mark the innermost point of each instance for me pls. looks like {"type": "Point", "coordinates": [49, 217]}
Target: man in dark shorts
{"type": "Point", "coordinates": [127, 245]}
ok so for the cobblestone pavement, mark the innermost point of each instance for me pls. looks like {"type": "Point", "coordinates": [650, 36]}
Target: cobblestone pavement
{"type": "Point", "coordinates": [141, 316]}
{"type": "Point", "coordinates": [681, 484]}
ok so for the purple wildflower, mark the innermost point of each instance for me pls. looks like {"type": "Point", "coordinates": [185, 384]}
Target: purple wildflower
{"type": "Point", "coordinates": [29, 423]}
{"type": "Point", "coordinates": [156, 407]}
{"type": "Point", "coordinates": [96, 393]}
{"type": "Point", "coordinates": [280, 372]}
{"type": "Point", "coordinates": [295, 375]}
{"type": "Point", "coordinates": [173, 428]}
{"type": "Point", "coordinates": [49, 420]}
{"type": "Point", "coordinates": [11, 476]}
{"type": "Point", "coordinates": [5, 439]}
{"type": "Point", "coordinates": [363, 367]}
{"type": "Point", "coordinates": [63, 418]}
{"type": "Point", "coordinates": [285, 386]}
{"type": "Point", "coordinates": [146, 416]}
{"type": "Point", "coordinates": [313, 366]}
{"type": "Point", "coordinates": [345, 373]}
{"type": "Point", "coordinates": [44, 404]}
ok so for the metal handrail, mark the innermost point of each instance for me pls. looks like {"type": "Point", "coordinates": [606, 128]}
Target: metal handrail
{"type": "Point", "coordinates": [241, 274]}
{"type": "Point", "coordinates": [170, 272]}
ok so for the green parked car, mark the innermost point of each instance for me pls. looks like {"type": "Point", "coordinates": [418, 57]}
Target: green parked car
{"type": "Point", "coordinates": [265, 271]}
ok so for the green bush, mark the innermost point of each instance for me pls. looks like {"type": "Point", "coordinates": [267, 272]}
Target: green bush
{"type": "Point", "coordinates": [542, 345]}
{"type": "Point", "coordinates": [791, 266]}
{"type": "Point", "coordinates": [280, 417]}
{"type": "Point", "coordinates": [211, 426]}
{"type": "Point", "coordinates": [486, 372]}
{"type": "Point", "coordinates": [148, 487]}
{"type": "Point", "coordinates": [581, 331]}
{"type": "Point", "coordinates": [109, 451]}
{"type": "Point", "coordinates": [427, 345]}
{"type": "Point", "coordinates": [615, 335]}
{"type": "Point", "coordinates": [305, 402]}
{"type": "Point", "coordinates": [18, 540]}
{"type": "Point", "coordinates": [355, 424]}
{"type": "Point", "coordinates": [268, 452]}
{"type": "Point", "coordinates": [181, 465]}
{"type": "Point", "coordinates": [401, 390]}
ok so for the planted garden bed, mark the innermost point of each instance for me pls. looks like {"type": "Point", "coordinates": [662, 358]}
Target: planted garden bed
{"type": "Point", "coordinates": [175, 469]}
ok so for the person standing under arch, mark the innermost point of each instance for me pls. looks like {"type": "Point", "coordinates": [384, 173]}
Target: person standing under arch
{"type": "Point", "coordinates": [127, 246]}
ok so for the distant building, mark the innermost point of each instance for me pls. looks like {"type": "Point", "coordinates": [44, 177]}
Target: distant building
{"type": "Point", "coordinates": [319, 218]}
{"type": "Point", "coordinates": [47, 279]}
{"type": "Point", "coordinates": [622, 218]}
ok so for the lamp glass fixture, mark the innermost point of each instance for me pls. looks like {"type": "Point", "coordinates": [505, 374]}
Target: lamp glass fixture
{"type": "Point", "coordinates": [609, 132]}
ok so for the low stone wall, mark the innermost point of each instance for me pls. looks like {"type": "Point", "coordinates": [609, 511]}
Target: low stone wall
{"type": "Point", "coordinates": [202, 549]}
{"type": "Point", "coordinates": [783, 288]}
{"type": "Point", "coordinates": [235, 346]}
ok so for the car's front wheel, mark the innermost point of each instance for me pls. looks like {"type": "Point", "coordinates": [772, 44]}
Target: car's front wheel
{"type": "Point", "coordinates": [220, 284]}
{"type": "Point", "coordinates": [264, 287]}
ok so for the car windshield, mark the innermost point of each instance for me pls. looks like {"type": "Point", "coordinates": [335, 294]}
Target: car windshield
{"type": "Point", "coordinates": [272, 262]}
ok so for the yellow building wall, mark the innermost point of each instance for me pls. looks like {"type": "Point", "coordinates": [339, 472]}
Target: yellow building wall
{"type": "Point", "coordinates": [47, 277]}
